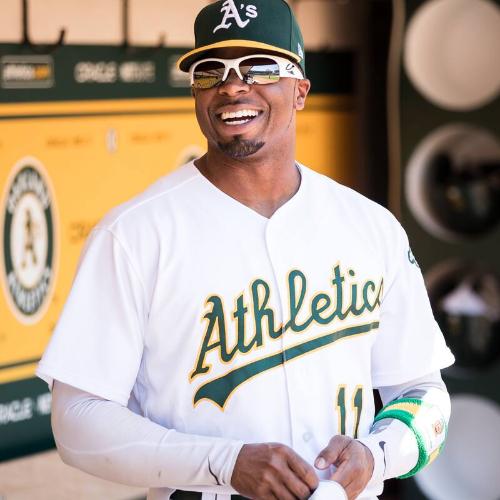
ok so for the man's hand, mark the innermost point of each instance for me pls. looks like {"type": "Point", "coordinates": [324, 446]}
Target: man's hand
{"type": "Point", "coordinates": [354, 462]}
{"type": "Point", "coordinates": [272, 471]}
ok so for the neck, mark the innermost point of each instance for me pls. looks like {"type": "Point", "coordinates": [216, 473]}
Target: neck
{"type": "Point", "coordinates": [262, 184]}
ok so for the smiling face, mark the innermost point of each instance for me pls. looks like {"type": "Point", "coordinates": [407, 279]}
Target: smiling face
{"type": "Point", "coordinates": [240, 120]}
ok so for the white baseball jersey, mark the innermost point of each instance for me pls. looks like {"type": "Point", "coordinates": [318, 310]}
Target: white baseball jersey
{"type": "Point", "coordinates": [206, 317]}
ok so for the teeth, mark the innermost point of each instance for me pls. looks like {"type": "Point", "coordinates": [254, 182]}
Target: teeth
{"type": "Point", "coordinates": [239, 114]}
{"type": "Point", "coordinates": [237, 122]}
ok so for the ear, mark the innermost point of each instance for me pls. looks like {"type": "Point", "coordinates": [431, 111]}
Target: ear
{"type": "Point", "coordinates": [302, 89]}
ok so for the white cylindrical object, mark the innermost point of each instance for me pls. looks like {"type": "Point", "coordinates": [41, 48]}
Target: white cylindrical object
{"type": "Point", "coordinates": [329, 490]}
{"type": "Point", "coordinates": [451, 52]}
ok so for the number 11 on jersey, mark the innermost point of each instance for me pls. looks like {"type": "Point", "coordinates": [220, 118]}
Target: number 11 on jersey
{"type": "Point", "coordinates": [356, 407]}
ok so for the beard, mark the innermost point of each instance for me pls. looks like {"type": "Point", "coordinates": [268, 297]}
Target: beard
{"type": "Point", "coordinates": [240, 148]}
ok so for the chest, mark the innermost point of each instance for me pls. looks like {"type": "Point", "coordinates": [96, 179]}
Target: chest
{"type": "Point", "coordinates": [233, 302]}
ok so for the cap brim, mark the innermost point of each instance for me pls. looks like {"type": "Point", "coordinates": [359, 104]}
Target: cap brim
{"type": "Point", "coordinates": [185, 61]}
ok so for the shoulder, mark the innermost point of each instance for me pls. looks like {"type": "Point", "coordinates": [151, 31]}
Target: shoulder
{"type": "Point", "coordinates": [356, 219]}
{"type": "Point", "coordinates": [152, 203]}
{"type": "Point", "coordinates": [352, 203]}
{"type": "Point", "coordinates": [144, 226]}
{"type": "Point", "coordinates": [141, 230]}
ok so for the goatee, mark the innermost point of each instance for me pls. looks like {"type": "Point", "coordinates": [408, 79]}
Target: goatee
{"type": "Point", "coordinates": [240, 148]}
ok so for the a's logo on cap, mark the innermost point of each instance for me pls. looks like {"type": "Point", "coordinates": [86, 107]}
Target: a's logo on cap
{"type": "Point", "coordinates": [230, 11]}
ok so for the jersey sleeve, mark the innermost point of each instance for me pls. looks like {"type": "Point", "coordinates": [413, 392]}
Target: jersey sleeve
{"type": "Point", "coordinates": [98, 342]}
{"type": "Point", "coordinates": [409, 343]}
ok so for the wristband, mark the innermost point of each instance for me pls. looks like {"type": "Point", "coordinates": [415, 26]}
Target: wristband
{"type": "Point", "coordinates": [425, 421]}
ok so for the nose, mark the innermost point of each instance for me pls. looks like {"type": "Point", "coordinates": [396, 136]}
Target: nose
{"type": "Point", "coordinates": [233, 85]}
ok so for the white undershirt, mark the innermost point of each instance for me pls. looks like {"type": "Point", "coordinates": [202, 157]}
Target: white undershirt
{"type": "Point", "coordinates": [108, 440]}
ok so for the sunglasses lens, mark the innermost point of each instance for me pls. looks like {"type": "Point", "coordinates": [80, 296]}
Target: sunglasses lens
{"type": "Point", "coordinates": [260, 70]}
{"type": "Point", "coordinates": [208, 74]}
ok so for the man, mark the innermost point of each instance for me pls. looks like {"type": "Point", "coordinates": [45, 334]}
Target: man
{"type": "Point", "coordinates": [226, 327]}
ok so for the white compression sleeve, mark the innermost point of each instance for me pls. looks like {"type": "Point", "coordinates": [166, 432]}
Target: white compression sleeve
{"type": "Point", "coordinates": [108, 440]}
{"type": "Point", "coordinates": [399, 452]}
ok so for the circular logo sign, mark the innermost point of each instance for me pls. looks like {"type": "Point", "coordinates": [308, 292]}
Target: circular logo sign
{"type": "Point", "coordinates": [28, 241]}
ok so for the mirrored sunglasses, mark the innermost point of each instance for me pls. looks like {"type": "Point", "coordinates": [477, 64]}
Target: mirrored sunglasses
{"type": "Point", "coordinates": [261, 69]}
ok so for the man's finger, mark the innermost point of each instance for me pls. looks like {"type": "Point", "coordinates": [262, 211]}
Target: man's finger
{"type": "Point", "coordinates": [354, 469]}
{"type": "Point", "coordinates": [303, 471]}
{"type": "Point", "coordinates": [282, 491]}
{"type": "Point", "coordinates": [332, 452]}
{"type": "Point", "coordinates": [295, 485]}
{"type": "Point", "coordinates": [344, 476]}
{"type": "Point", "coordinates": [272, 496]}
{"type": "Point", "coordinates": [351, 484]}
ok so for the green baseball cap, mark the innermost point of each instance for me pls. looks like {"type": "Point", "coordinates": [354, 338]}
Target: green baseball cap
{"type": "Point", "coordinates": [266, 25]}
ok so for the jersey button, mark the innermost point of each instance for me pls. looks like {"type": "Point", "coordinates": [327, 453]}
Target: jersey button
{"type": "Point", "coordinates": [306, 436]}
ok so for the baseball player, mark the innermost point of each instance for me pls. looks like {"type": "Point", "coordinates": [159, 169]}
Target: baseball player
{"type": "Point", "coordinates": [226, 328]}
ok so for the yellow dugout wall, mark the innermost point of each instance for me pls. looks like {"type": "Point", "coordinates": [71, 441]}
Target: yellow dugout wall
{"type": "Point", "coordinates": [73, 145]}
